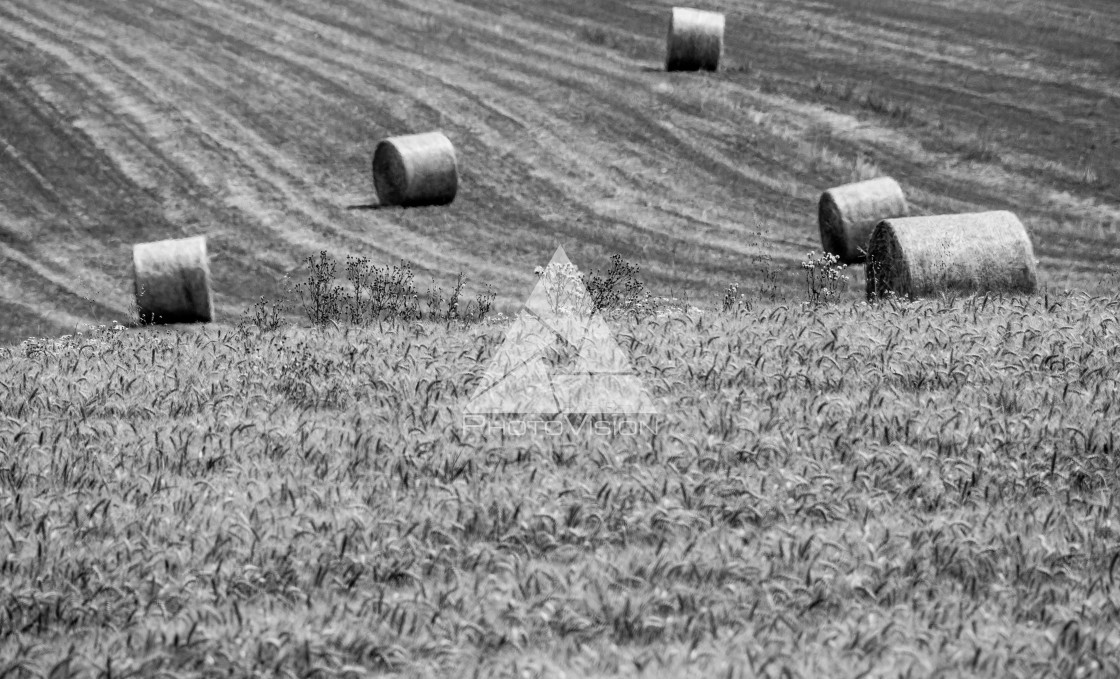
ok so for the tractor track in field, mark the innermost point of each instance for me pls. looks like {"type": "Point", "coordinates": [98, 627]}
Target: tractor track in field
{"type": "Point", "coordinates": [253, 122]}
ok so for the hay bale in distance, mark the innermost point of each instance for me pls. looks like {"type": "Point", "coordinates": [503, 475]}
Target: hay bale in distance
{"type": "Point", "coordinates": [172, 281]}
{"type": "Point", "coordinates": [972, 252]}
{"type": "Point", "coordinates": [848, 214]}
{"type": "Point", "coordinates": [415, 170]}
{"type": "Point", "coordinates": [695, 40]}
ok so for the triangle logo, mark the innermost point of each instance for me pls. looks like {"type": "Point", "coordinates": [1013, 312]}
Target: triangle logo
{"type": "Point", "coordinates": [559, 357]}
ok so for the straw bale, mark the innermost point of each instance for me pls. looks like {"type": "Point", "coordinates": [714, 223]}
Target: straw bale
{"type": "Point", "coordinates": [972, 252]}
{"type": "Point", "coordinates": [416, 170]}
{"type": "Point", "coordinates": [695, 40]}
{"type": "Point", "coordinates": [172, 281]}
{"type": "Point", "coordinates": [849, 213]}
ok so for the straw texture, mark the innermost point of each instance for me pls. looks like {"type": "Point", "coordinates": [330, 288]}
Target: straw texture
{"type": "Point", "coordinates": [416, 170]}
{"type": "Point", "coordinates": [172, 281]}
{"type": "Point", "coordinates": [973, 252]}
{"type": "Point", "coordinates": [695, 40]}
{"type": "Point", "coordinates": [848, 214]}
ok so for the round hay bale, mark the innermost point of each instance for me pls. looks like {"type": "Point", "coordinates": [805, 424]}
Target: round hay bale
{"type": "Point", "coordinates": [172, 281]}
{"type": "Point", "coordinates": [415, 169]}
{"type": "Point", "coordinates": [972, 252]}
{"type": "Point", "coordinates": [848, 214]}
{"type": "Point", "coordinates": [695, 40]}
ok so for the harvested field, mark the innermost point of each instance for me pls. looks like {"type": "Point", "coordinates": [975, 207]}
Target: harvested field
{"type": "Point", "coordinates": [253, 123]}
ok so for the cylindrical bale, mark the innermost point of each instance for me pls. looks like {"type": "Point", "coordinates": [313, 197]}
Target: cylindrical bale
{"type": "Point", "coordinates": [415, 170]}
{"type": "Point", "coordinates": [172, 281]}
{"type": "Point", "coordinates": [695, 40]}
{"type": "Point", "coordinates": [848, 214]}
{"type": "Point", "coordinates": [972, 252]}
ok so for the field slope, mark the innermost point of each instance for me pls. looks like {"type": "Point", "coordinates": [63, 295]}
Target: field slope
{"type": "Point", "coordinates": [253, 123]}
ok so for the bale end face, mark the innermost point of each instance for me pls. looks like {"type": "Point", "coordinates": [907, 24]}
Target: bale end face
{"type": "Point", "coordinates": [695, 40]}
{"type": "Point", "coordinates": [834, 237]}
{"type": "Point", "coordinates": [171, 281]}
{"type": "Point", "coordinates": [887, 271]}
{"type": "Point", "coordinates": [416, 170]}
{"type": "Point", "coordinates": [390, 176]}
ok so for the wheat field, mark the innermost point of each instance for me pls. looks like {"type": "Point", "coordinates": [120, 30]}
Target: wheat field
{"type": "Point", "coordinates": [910, 489]}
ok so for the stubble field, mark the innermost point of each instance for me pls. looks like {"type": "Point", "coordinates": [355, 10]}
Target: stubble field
{"type": "Point", "coordinates": [254, 123]}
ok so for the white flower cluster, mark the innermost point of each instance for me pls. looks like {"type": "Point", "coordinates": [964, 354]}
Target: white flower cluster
{"type": "Point", "coordinates": [823, 276]}
{"type": "Point", "coordinates": [564, 288]}
{"type": "Point", "coordinates": [93, 337]}
{"type": "Point", "coordinates": [827, 264]}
